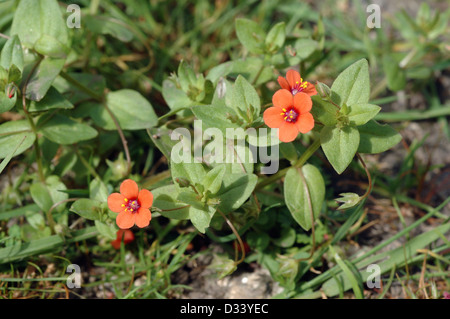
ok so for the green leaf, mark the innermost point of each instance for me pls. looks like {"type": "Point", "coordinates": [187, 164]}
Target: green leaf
{"type": "Point", "coordinates": [377, 138]}
{"type": "Point", "coordinates": [304, 193]}
{"type": "Point", "coordinates": [63, 130]}
{"type": "Point", "coordinates": [42, 79]}
{"type": "Point", "coordinates": [49, 193]}
{"type": "Point", "coordinates": [175, 97]}
{"type": "Point", "coordinates": [236, 189]}
{"type": "Point", "coordinates": [213, 116]}
{"type": "Point", "coordinates": [213, 179]}
{"type": "Point", "coordinates": [12, 53]}
{"type": "Point", "coordinates": [131, 109]}
{"type": "Point", "coordinates": [15, 133]}
{"type": "Point", "coordinates": [244, 98]}
{"type": "Point", "coordinates": [387, 260]}
{"type": "Point", "coordinates": [339, 145]}
{"type": "Point", "coordinates": [52, 100]}
{"type": "Point", "coordinates": [107, 230]}
{"type": "Point", "coordinates": [8, 158]}
{"type": "Point", "coordinates": [287, 238]}
{"type": "Point", "coordinates": [102, 24]}
{"type": "Point", "coordinates": [201, 217]}
{"type": "Point", "coordinates": [305, 47]}
{"type": "Point", "coordinates": [98, 190]}
{"type": "Point", "coordinates": [161, 137]}
{"type": "Point", "coordinates": [395, 76]}
{"type": "Point", "coordinates": [35, 219]}
{"type": "Point", "coordinates": [276, 37]}
{"type": "Point", "coordinates": [186, 76]}
{"type": "Point", "coordinates": [354, 279]}
{"type": "Point", "coordinates": [49, 46]}
{"type": "Point", "coordinates": [360, 114]}
{"type": "Point", "coordinates": [6, 103]}
{"type": "Point", "coordinates": [95, 82]}
{"type": "Point", "coordinates": [352, 86]}
{"type": "Point", "coordinates": [14, 74]}
{"type": "Point", "coordinates": [251, 35]}
{"type": "Point", "coordinates": [200, 214]}
{"type": "Point", "coordinates": [324, 111]}
{"type": "Point", "coordinates": [86, 208]}
{"type": "Point", "coordinates": [34, 18]}
{"type": "Point", "coordinates": [51, 244]}
{"type": "Point", "coordinates": [165, 198]}
{"type": "Point", "coordinates": [192, 171]}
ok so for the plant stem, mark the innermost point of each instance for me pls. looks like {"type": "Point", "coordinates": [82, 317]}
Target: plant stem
{"type": "Point", "coordinates": [80, 86]}
{"type": "Point", "coordinates": [241, 244]}
{"type": "Point", "coordinates": [87, 165]}
{"type": "Point", "coordinates": [100, 99]}
{"type": "Point", "coordinates": [122, 137]}
{"type": "Point", "coordinates": [299, 163]}
{"type": "Point", "coordinates": [31, 122]}
{"type": "Point", "coordinates": [258, 74]}
{"type": "Point", "coordinates": [369, 177]}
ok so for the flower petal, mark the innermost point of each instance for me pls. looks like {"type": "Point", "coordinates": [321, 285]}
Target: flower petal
{"type": "Point", "coordinates": [116, 243]}
{"type": "Point", "coordinates": [283, 83]}
{"type": "Point", "coordinates": [125, 219]}
{"type": "Point", "coordinates": [143, 217]}
{"type": "Point", "coordinates": [287, 132]}
{"type": "Point", "coordinates": [129, 189]}
{"type": "Point", "coordinates": [282, 99]}
{"type": "Point", "coordinates": [305, 123]}
{"type": "Point", "coordinates": [273, 118]}
{"type": "Point", "coordinates": [145, 198]}
{"type": "Point", "coordinates": [310, 89]}
{"type": "Point", "coordinates": [293, 78]}
{"type": "Point", "coordinates": [302, 102]}
{"type": "Point", "coordinates": [115, 201]}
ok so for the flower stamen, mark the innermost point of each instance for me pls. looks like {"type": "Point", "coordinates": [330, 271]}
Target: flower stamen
{"type": "Point", "coordinates": [290, 115]}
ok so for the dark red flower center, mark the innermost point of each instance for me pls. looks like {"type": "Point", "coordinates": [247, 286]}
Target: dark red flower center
{"type": "Point", "coordinates": [290, 114]}
{"type": "Point", "coordinates": [131, 205]}
{"type": "Point", "coordinates": [298, 87]}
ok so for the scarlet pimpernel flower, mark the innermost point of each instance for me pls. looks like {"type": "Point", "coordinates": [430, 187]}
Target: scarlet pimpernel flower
{"type": "Point", "coordinates": [290, 114]}
{"type": "Point", "coordinates": [132, 205]}
{"type": "Point", "coordinates": [295, 84]}
{"type": "Point", "coordinates": [127, 235]}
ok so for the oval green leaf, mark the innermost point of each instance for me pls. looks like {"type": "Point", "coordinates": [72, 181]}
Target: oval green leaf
{"type": "Point", "coordinates": [304, 192]}
{"type": "Point", "coordinates": [339, 145]}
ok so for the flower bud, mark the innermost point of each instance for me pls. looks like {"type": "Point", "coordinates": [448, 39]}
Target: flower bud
{"type": "Point", "coordinates": [11, 89]}
{"type": "Point", "coordinates": [323, 90]}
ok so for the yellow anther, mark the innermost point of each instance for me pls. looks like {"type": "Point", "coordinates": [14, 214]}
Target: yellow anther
{"type": "Point", "coordinates": [284, 110]}
{"type": "Point", "coordinates": [125, 199]}
{"type": "Point", "coordinates": [123, 205]}
{"type": "Point", "coordinates": [285, 117]}
{"type": "Point", "coordinates": [291, 116]}
{"type": "Point", "coordinates": [296, 82]}
{"type": "Point", "coordinates": [282, 113]}
{"type": "Point", "coordinates": [131, 209]}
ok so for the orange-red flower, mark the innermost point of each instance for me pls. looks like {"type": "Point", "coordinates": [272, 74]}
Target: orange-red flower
{"type": "Point", "coordinates": [295, 84]}
{"type": "Point", "coordinates": [127, 235]}
{"type": "Point", "coordinates": [132, 205]}
{"type": "Point", "coordinates": [290, 114]}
